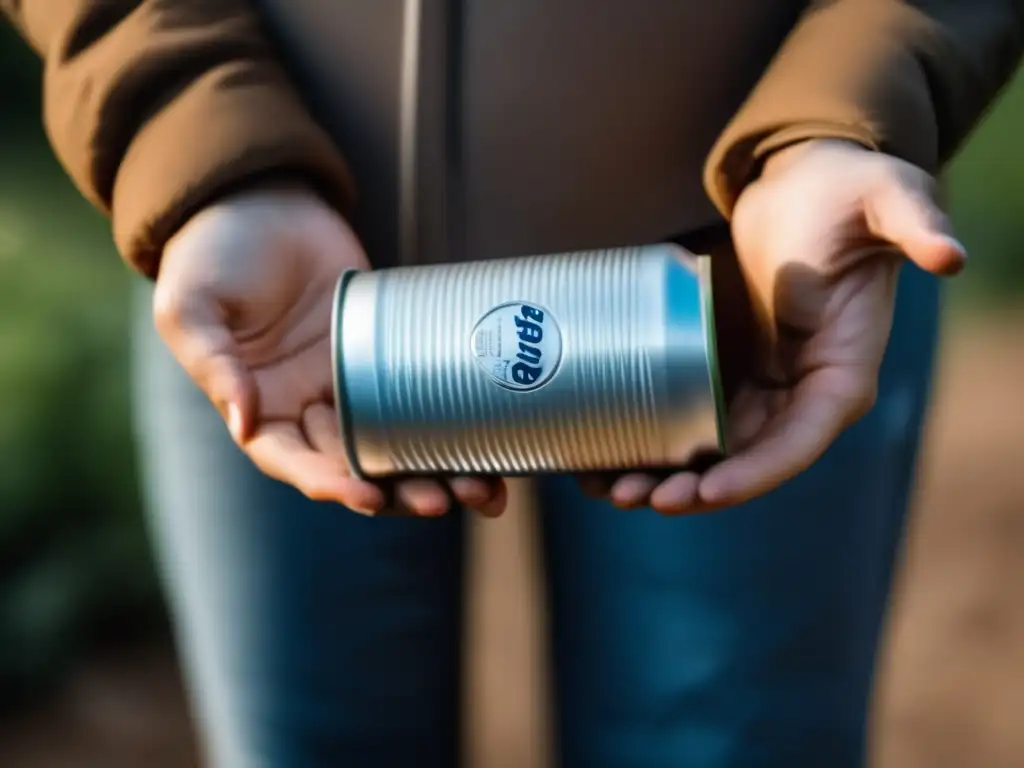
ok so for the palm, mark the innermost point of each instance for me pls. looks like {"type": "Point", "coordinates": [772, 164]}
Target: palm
{"type": "Point", "coordinates": [818, 239]}
{"type": "Point", "coordinates": [287, 349]}
{"type": "Point", "coordinates": [244, 300]}
{"type": "Point", "coordinates": [823, 292]}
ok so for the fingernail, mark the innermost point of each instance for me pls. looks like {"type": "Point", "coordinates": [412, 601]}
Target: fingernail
{"type": "Point", "coordinates": [235, 421]}
{"type": "Point", "coordinates": [955, 244]}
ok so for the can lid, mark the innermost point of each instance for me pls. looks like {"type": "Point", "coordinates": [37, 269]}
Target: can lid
{"type": "Point", "coordinates": [338, 371]}
{"type": "Point", "coordinates": [707, 309]}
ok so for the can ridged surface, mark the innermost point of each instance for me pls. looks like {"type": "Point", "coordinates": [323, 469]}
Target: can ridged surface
{"type": "Point", "coordinates": [568, 362]}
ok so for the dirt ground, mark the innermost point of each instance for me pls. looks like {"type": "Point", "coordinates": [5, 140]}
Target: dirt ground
{"type": "Point", "coordinates": [951, 689]}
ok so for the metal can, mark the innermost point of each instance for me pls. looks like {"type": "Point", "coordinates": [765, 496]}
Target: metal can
{"type": "Point", "coordinates": [599, 360]}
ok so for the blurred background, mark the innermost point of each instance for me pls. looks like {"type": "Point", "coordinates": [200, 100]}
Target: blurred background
{"type": "Point", "coordinates": [88, 675]}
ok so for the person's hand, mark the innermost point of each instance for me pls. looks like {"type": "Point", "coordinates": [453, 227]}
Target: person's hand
{"type": "Point", "coordinates": [819, 238]}
{"type": "Point", "coordinates": [243, 299]}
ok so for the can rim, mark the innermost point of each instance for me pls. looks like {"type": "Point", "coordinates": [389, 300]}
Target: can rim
{"type": "Point", "coordinates": [707, 309]}
{"type": "Point", "coordinates": [340, 401]}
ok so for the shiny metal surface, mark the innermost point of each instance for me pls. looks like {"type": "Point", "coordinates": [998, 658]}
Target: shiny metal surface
{"type": "Point", "coordinates": [580, 361]}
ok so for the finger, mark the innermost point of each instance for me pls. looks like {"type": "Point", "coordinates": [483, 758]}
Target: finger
{"type": "Point", "coordinates": [747, 416]}
{"type": "Point", "coordinates": [426, 497]}
{"type": "Point", "coordinates": [677, 495]}
{"type": "Point", "coordinates": [305, 378]}
{"type": "Point", "coordinates": [905, 213]}
{"type": "Point", "coordinates": [193, 329]}
{"type": "Point", "coordinates": [320, 425]}
{"type": "Point", "coordinates": [498, 503]}
{"type": "Point", "coordinates": [475, 492]}
{"type": "Point", "coordinates": [280, 451]}
{"type": "Point", "coordinates": [322, 431]}
{"type": "Point", "coordinates": [423, 496]}
{"type": "Point", "coordinates": [633, 490]}
{"type": "Point", "coordinates": [824, 403]}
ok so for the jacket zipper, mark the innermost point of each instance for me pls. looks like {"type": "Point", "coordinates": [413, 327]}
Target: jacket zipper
{"type": "Point", "coordinates": [408, 130]}
{"type": "Point", "coordinates": [429, 136]}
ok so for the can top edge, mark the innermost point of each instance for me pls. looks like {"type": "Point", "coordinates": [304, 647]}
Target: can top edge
{"type": "Point", "coordinates": [707, 306]}
{"type": "Point", "coordinates": [340, 401]}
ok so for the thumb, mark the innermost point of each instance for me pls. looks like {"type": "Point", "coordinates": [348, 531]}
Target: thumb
{"type": "Point", "coordinates": [198, 336]}
{"type": "Point", "coordinates": [905, 213]}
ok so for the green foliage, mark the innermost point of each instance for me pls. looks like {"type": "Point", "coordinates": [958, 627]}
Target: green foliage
{"type": "Point", "coordinates": [986, 197]}
{"type": "Point", "coordinates": [73, 555]}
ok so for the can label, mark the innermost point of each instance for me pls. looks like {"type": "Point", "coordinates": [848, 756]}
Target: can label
{"type": "Point", "coordinates": [518, 344]}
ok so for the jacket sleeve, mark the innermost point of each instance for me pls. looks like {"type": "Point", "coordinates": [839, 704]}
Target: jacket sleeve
{"type": "Point", "coordinates": [156, 107]}
{"type": "Point", "coordinates": [906, 77]}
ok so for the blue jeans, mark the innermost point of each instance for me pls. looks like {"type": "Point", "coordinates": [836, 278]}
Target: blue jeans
{"type": "Point", "coordinates": [315, 637]}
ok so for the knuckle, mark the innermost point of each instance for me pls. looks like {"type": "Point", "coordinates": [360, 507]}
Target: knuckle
{"type": "Point", "coordinates": [167, 310]}
{"type": "Point", "coordinates": [885, 187]}
{"type": "Point", "coordinates": [909, 180]}
{"type": "Point", "coordinates": [889, 176]}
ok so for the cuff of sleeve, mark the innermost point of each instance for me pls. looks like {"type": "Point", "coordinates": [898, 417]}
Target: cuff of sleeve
{"type": "Point", "coordinates": [238, 123]}
{"type": "Point", "coordinates": [732, 165]}
{"type": "Point", "coordinates": [848, 70]}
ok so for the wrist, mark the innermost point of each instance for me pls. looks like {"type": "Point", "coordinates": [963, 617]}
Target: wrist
{"type": "Point", "coordinates": [279, 182]}
{"type": "Point", "coordinates": [785, 156]}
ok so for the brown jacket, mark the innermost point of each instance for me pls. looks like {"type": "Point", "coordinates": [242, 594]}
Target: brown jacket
{"type": "Point", "coordinates": [487, 128]}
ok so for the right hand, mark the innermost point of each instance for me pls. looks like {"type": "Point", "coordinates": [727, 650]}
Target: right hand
{"type": "Point", "coordinates": [819, 239]}
{"type": "Point", "coordinates": [243, 299]}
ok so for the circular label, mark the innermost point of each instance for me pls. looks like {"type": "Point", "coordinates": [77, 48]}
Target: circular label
{"type": "Point", "coordinates": [518, 344]}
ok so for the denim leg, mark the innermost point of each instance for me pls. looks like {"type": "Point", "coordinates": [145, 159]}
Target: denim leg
{"type": "Point", "coordinates": [312, 637]}
{"type": "Point", "coordinates": [745, 637]}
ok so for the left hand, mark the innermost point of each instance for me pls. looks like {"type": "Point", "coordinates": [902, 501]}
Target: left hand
{"type": "Point", "coordinates": [243, 300]}
{"type": "Point", "coordinates": [819, 238]}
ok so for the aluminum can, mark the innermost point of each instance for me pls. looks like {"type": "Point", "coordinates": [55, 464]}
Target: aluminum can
{"type": "Point", "coordinates": [598, 360]}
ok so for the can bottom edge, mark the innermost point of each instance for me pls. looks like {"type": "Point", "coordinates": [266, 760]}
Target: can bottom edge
{"type": "Point", "coordinates": [340, 399]}
{"type": "Point", "coordinates": [707, 306]}
{"type": "Point", "coordinates": [699, 463]}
